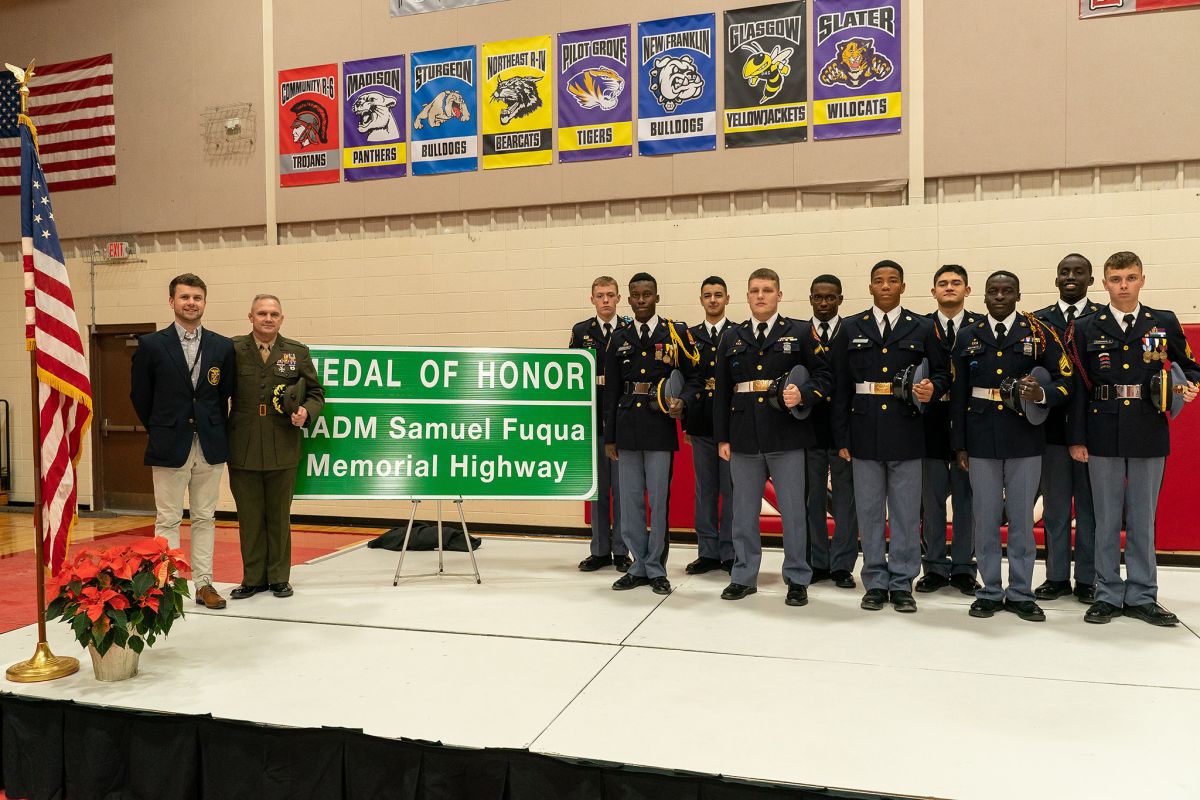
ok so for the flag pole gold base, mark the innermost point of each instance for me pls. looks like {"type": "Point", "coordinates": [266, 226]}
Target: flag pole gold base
{"type": "Point", "coordinates": [44, 666]}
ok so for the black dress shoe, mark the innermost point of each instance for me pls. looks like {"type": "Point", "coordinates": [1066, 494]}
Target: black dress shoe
{"type": "Point", "coordinates": [842, 579]}
{"type": "Point", "coordinates": [985, 608]}
{"type": "Point", "coordinates": [965, 583]}
{"type": "Point", "coordinates": [736, 591]}
{"type": "Point", "coordinates": [1026, 610]}
{"type": "Point", "coordinates": [282, 589]}
{"type": "Point", "coordinates": [874, 600]}
{"type": "Point", "coordinates": [1085, 593]}
{"type": "Point", "coordinates": [727, 565]}
{"type": "Point", "coordinates": [622, 563]}
{"type": "Point", "coordinates": [1052, 590]}
{"type": "Point", "coordinates": [932, 582]}
{"type": "Point", "coordinates": [593, 563]}
{"type": "Point", "coordinates": [820, 574]}
{"type": "Point", "coordinates": [628, 581]}
{"type": "Point", "coordinates": [797, 595]}
{"type": "Point", "coordinates": [702, 565]}
{"type": "Point", "coordinates": [660, 585]}
{"type": "Point", "coordinates": [904, 602]}
{"type": "Point", "coordinates": [1102, 612]}
{"type": "Point", "coordinates": [244, 591]}
{"type": "Point", "coordinates": [1152, 613]}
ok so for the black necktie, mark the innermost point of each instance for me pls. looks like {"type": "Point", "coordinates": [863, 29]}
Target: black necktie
{"type": "Point", "coordinates": [1001, 332]}
{"type": "Point", "coordinates": [887, 327]}
{"type": "Point", "coordinates": [645, 334]}
{"type": "Point", "coordinates": [762, 333]}
{"type": "Point", "coordinates": [1128, 322]}
{"type": "Point", "coordinates": [950, 332]}
{"type": "Point", "coordinates": [825, 334]}
{"type": "Point", "coordinates": [1071, 314]}
{"type": "Point", "coordinates": [713, 332]}
{"type": "Point", "coordinates": [607, 329]}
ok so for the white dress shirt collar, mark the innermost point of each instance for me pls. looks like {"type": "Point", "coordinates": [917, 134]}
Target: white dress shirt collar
{"type": "Point", "coordinates": [1008, 323]}
{"type": "Point", "coordinates": [1119, 316]}
{"type": "Point", "coordinates": [832, 323]}
{"type": "Point", "coordinates": [1063, 305]}
{"type": "Point", "coordinates": [893, 316]}
{"type": "Point", "coordinates": [957, 319]}
{"type": "Point", "coordinates": [754, 323]}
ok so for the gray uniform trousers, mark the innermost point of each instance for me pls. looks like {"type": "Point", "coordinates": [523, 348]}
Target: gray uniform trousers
{"type": "Point", "coordinates": [1130, 485]}
{"type": "Point", "coordinates": [1000, 485]}
{"type": "Point", "coordinates": [645, 472]}
{"type": "Point", "coordinates": [939, 480]}
{"type": "Point", "coordinates": [821, 463]}
{"type": "Point", "coordinates": [749, 475]}
{"type": "Point", "coordinates": [888, 492]}
{"type": "Point", "coordinates": [714, 532]}
{"type": "Point", "coordinates": [1064, 479]}
{"type": "Point", "coordinates": [606, 529]}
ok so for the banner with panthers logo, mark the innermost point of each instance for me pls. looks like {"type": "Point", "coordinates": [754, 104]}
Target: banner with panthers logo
{"type": "Point", "coordinates": [856, 68]}
{"type": "Point", "coordinates": [677, 94]}
{"type": "Point", "coordinates": [766, 75]}
{"type": "Point", "coordinates": [445, 95]}
{"type": "Point", "coordinates": [595, 94]}
{"type": "Point", "coordinates": [308, 126]}
{"type": "Point", "coordinates": [373, 123]}
{"type": "Point", "coordinates": [1105, 8]}
{"type": "Point", "coordinates": [518, 109]}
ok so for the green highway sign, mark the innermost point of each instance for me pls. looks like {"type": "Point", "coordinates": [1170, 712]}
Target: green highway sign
{"type": "Point", "coordinates": [444, 423]}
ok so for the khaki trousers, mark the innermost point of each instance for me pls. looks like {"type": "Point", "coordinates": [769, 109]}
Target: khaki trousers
{"type": "Point", "coordinates": [202, 483]}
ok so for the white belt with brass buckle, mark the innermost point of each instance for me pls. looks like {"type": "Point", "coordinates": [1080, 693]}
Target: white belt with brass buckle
{"type": "Point", "coordinates": [944, 398]}
{"type": "Point", "coordinates": [986, 394]}
{"type": "Point", "coordinates": [599, 380]}
{"type": "Point", "coordinates": [873, 388]}
{"type": "Point", "coordinates": [752, 386]}
{"type": "Point", "coordinates": [1124, 391]}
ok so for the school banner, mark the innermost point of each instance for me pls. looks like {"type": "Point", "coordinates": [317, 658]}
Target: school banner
{"type": "Point", "coordinates": [856, 68]}
{"type": "Point", "coordinates": [766, 75]}
{"type": "Point", "coordinates": [595, 94]}
{"type": "Point", "coordinates": [677, 96]}
{"type": "Point", "coordinates": [445, 96]}
{"type": "Point", "coordinates": [308, 126]}
{"type": "Point", "coordinates": [518, 109]}
{"type": "Point", "coordinates": [1106, 8]}
{"type": "Point", "coordinates": [373, 119]}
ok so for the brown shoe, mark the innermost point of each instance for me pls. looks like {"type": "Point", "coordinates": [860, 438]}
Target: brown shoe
{"type": "Point", "coordinates": [207, 596]}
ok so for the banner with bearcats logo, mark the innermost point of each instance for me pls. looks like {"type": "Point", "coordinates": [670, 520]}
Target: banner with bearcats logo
{"type": "Point", "coordinates": [444, 89]}
{"type": "Point", "coordinates": [308, 126]}
{"type": "Point", "coordinates": [766, 75]}
{"type": "Point", "coordinates": [856, 68]}
{"type": "Point", "coordinates": [518, 106]}
{"type": "Point", "coordinates": [595, 94]}
{"type": "Point", "coordinates": [677, 90]}
{"type": "Point", "coordinates": [1105, 8]}
{"type": "Point", "coordinates": [374, 122]}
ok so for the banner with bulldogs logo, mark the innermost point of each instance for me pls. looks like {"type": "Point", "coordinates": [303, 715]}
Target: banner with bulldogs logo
{"type": "Point", "coordinates": [595, 94]}
{"type": "Point", "coordinates": [1105, 8]}
{"type": "Point", "coordinates": [373, 123]}
{"type": "Point", "coordinates": [677, 96]}
{"type": "Point", "coordinates": [519, 98]}
{"type": "Point", "coordinates": [766, 76]}
{"type": "Point", "coordinates": [308, 126]}
{"type": "Point", "coordinates": [445, 96]}
{"type": "Point", "coordinates": [856, 68]}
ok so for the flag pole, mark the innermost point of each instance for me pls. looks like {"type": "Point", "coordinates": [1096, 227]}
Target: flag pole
{"type": "Point", "coordinates": [44, 665]}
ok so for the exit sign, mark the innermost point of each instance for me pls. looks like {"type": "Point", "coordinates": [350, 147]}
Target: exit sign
{"type": "Point", "coordinates": [118, 250]}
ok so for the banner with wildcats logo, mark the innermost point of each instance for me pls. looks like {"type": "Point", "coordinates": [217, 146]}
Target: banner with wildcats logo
{"type": "Point", "coordinates": [308, 126]}
{"type": "Point", "coordinates": [519, 98]}
{"type": "Point", "coordinates": [677, 97]}
{"type": "Point", "coordinates": [595, 94]}
{"type": "Point", "coordinates": [444, 95]}
{"type": "Point", "coordinates": [766, 76]}
{"type": "Point", "coordinates": [373, 123]}
{"type": "Point", "coordinates": [856, 68]}
{"type": "Point", "coordinates": [1105, 8]}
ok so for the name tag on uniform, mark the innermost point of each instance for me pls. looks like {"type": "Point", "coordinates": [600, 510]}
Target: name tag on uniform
{"type": "Point", "coordinates": [625, 348]}
{"type": "Point", "coordinates": [974, 348]}
{"type": "Point", "coordinates": [861, 340]}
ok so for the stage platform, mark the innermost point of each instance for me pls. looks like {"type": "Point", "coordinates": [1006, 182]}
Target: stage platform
{"type": "Point", "coordinates": [545, 659]}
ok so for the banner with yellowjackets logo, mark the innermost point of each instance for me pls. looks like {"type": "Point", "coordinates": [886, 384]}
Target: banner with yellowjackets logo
{"type": "Point", "coordinates": [518, 103]}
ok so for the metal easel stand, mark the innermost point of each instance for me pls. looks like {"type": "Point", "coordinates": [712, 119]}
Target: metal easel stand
{"type": "Point", "coordinates": [441, 570]}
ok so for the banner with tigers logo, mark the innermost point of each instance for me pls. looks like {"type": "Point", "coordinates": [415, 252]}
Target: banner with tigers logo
{"type": "Point", "coordinates": [308, 126]}
{"type": "Point", "coordinates": [518, 103]}
{"type": "Point", "coordinates": [445, 96]}
{"type": "Point", "coordinates": [373, 130]}
{"type": "Point", "coordinates": [595, 94]}
{"type": "Point", "coordinates": [856, 68]}
{"type": "Point", "coordinates": [766, 75]}
{"type": "Point", "coordinates": [677, 90]}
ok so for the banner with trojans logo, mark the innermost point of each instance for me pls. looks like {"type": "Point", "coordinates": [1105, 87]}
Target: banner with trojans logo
{"type": "Point", "coordinates": [308, 126]}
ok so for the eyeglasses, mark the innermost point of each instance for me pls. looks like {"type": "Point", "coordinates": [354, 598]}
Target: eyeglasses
{"type": "Point", "coordinates": [823, 298]}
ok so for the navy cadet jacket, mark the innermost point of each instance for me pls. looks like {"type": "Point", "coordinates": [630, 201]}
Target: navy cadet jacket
{"type": "Point", "coordinates": [822, 413]}
{"type": "Point", "coordinates": [937, 413]}
{"type": "Point", "coordinates": [1116, 427]}
{"type": "Point", "coordinates": [881, 427]}
{"type": "Point", "coordinates": [1056, 423]}
{"type": "Point", "coordinates": [589, 335]}
{"type": "Point", "coordinates": [987, 428]}
{"type": "Point", "coordinates": [167, 405]}
{"type": "Point", "coordinates": [699, 418]}
{"type": "Point", "coordinates": [746, 419]}
{"type": "Point", "coordinates": [633, 421]}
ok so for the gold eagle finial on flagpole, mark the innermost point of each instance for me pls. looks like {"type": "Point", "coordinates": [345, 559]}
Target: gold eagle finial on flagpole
{"type": "Point", "coordinates": [23, 77]}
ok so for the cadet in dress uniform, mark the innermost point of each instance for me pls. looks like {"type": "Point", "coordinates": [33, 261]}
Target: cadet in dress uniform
{"type": "Point", "coordinates": [884, 436]}
{"type": "Point", "coordinates": [1000, 446]}
{"type": "Point", "coordinates": [759, 439]}
{"type": "Point", "coordinates": [823, 468]}
{"type": "Point", "coordinates": [941, 477]}
{"type": "Point", "coordinates": [1065, 483]}
{"type": "Point", "coordinates": [637, 434]}
{"type": "Point", "coordinates": [1123, 438]}
{"type": "Point", "coordinates": [593, 333]}
{"type": "Point", "coordinates": [714, 493]}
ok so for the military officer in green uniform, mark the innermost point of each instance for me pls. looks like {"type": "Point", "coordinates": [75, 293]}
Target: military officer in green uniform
{"type": "Point", "coordinates": [277, 393]}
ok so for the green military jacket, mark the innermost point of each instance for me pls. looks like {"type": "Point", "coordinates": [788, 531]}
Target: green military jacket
{"type": "Point", "coordinates": [260, 438]}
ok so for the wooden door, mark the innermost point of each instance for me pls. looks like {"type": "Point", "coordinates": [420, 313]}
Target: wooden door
{"type": "Point", "coordinates": [122, 481]}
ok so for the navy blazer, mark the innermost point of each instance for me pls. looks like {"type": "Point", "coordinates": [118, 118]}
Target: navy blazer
{"type": "Point", "coordinates": [632, 421]}
{"type": "Point", "coordinates": [822, 413]}
{"type": "Point", "coordinates": [1056, 423]}
{"type": "Point", "coordinates": [170, 409]}
{"type": "Point", "coordinates": [588, 335]}
{"type": "Point", "coordinates": [937, 413]}
{"type": "Point", "coordinates": [699, 418]}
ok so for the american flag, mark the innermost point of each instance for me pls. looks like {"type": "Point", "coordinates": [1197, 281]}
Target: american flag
{"type": "Point", "coordinates": [52, 330]}
{"type": "Point", "coordinates": [72, 105]}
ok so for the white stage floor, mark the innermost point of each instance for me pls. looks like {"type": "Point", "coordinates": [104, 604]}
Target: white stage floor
{"type": "Point", "coordinates": [543, 657]}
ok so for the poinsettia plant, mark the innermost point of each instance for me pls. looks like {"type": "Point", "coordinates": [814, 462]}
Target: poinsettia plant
{"type": "Point", "coordinates": [124, 596]}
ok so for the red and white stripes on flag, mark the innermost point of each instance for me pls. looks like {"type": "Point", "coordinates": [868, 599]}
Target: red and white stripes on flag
{"type": "Point", "coordinates": [72, 105]}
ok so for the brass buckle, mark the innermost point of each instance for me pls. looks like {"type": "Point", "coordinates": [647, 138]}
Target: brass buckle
{"type": "Point", "coordinates": [262, 409]}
